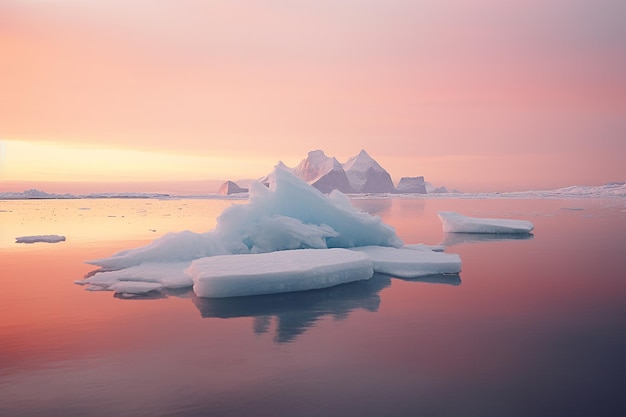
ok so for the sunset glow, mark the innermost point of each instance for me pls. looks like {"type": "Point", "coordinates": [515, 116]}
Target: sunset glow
{"type": "Point", "coordinates": [476, 95]}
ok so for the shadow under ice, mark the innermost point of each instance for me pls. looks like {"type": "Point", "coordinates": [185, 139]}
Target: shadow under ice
{"type": "Point", "coordinates": [451, 239]}
{"type": "Point", "coordinates": [296, 312]}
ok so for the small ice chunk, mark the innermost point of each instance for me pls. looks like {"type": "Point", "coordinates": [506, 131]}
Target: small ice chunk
{"type": "Point", "coordinates": [134, 287]}
{"type": "Point", "coordinates": [40, 238]}
{"type": "Point", "coordinates": [458, 223]}
{"type": "Point", "coordinates": [411, 263]}
{"type": "Point", "coordinates": [277, 272]}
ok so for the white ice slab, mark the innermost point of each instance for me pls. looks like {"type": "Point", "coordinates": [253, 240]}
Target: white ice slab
{"type": "Point", "coordinates": [277, 272]}
{"type": "Point", "coordinates": [411, 263]}
{"type": "Point", "coordinates": [40, 238]}
{"type": "Point", "coordinates": [458, 223]}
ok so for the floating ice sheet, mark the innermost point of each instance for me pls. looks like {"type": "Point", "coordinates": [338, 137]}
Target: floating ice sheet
{"type": "Point", "coordinates": [411, 263]}
{"type": "Point", "coordinates": [277, 272]}
{"type": "Point", "coordinates": [458, 223]}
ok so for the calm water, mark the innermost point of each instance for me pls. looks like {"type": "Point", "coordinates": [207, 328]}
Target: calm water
{"type": "Point", "coordinates": [532, 327]}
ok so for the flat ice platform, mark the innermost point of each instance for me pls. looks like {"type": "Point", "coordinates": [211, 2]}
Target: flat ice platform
{"type": "Point", "coordinates": [277, 272]}
{"type": "Point", "coordinates": [411, 263]}
{"type": "Point", "coordinates": [458, 223]}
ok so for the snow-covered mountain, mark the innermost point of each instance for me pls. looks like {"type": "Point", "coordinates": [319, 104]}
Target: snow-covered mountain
{"type": "Point", "coordinates": [367, 176]}
{"type": "Point", "coordinates": [359, 174]}
{"type": "Point", "coordinates": [230, 187]}
{"type": "Point", "coordinates": [323, 172]}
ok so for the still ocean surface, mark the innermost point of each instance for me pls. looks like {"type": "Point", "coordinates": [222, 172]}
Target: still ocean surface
{"type": "Point", "coordinates": [531, 327]}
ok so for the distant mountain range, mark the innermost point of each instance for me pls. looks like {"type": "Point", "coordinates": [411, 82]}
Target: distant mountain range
{"type": "Point", "coordinates": [360, 174]}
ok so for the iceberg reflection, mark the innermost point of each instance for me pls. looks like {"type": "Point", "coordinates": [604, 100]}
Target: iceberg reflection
{"type": "Point", "coordinates": [298, 311]}
{"type": "Point", "coordinates": [448, 279]}
{"type": "Point", "coordinates": [451, 239]}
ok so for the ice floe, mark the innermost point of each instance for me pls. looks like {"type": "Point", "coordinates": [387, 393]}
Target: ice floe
{"type": "Point", "coordinates": [276, 272]}
{"type": "Point", "coordinates": [411, 263]}
{"type": "Point", "coordinates": [290, 215]}
{"type": "Point", "coordinates": [458, 223]}
{"type": "Point", "coordinates": [40, 238]}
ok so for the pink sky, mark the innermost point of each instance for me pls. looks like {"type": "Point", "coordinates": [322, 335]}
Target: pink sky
{"type": "Point", "coordinates": [476, 95]}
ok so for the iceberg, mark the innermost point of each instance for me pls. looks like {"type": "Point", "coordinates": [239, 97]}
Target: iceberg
{"type": "Point", "coordinates": [289, 215]}
{"type": "Point", "coordinates": [415, 185]}
{"type": "Point", "coordinates": [290, 237]}
{"type": "Point", "coordinates": [458, 223]}
{"type": "Point", "coordinates": [411, 262]}
{"type": "Point", "coordinates": [230, 187]}
{"type": "Point", "coordinates": [277, 272]}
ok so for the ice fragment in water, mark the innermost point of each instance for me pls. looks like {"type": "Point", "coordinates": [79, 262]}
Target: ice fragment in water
{"type": "Point", "coordinates": [411, 263]}
{"type": "Point", "coordinates": [458, 223]}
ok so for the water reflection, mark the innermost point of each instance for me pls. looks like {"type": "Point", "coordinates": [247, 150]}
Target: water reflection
{"type": "Point", "coordinates": [447, 279]}
{"type": "Point", "coordinates": [373, 206]}
{"type": "Point", "coordinates": [296, 312]}
{"type": "Point", "coordinates": [451, 239]}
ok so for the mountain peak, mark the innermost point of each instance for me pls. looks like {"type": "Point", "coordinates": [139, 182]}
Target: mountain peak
{"type": "Point", "coordinates": [366, 175]}
{"type": "Point", "coordinates": [323, 172]}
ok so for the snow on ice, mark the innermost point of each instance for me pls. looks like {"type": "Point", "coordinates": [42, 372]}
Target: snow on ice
{"type": "Point", "coordinates": [289, 237]}
{"type": "Point", "coordinates": [458, 223]}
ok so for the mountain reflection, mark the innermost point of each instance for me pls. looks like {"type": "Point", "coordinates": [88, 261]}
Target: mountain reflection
{"type": "Point", "coordinates": [451, 239]}
{"type": "Point", "coordinates": [298, 311]}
